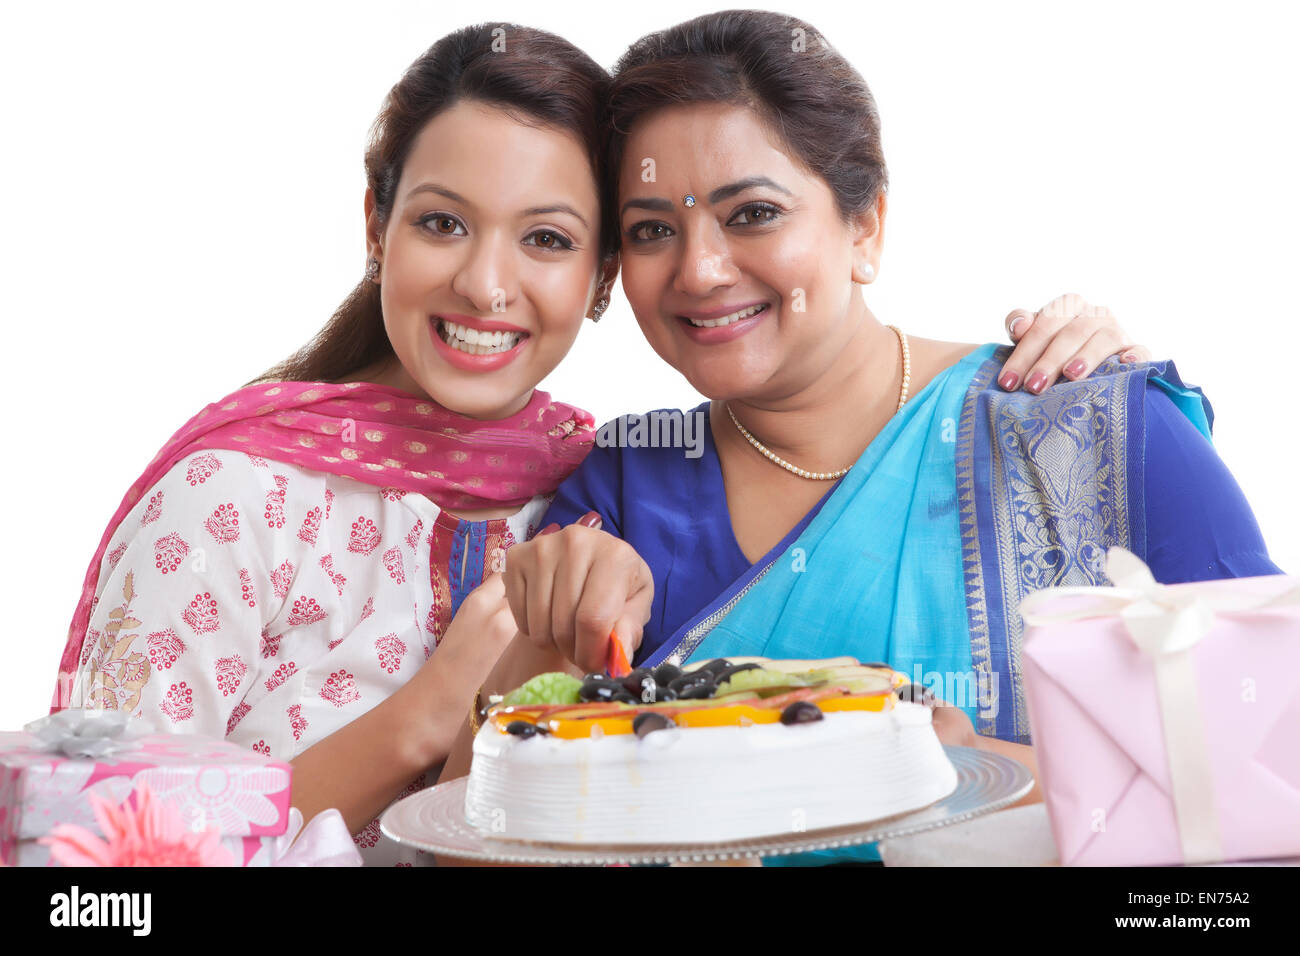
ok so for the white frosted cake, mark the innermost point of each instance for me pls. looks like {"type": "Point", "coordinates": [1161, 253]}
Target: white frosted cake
{"type": "Point", "coordinates": [727, 750]}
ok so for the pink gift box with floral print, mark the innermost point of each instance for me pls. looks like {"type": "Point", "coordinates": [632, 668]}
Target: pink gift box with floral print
{"type": "Point", "coordinates": [213, 784]}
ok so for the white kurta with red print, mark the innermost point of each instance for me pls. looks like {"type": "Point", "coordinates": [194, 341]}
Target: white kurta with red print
{"type": "Point", "coordinates": [272, 604]}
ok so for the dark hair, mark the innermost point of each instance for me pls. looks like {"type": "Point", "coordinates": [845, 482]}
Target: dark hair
{"type": "Point", "coordinates": [537, 77]}
{"type": "Point", "coordinates": [775, 64]}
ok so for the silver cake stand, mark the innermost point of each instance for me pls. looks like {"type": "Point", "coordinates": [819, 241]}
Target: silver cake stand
{"type": "Point", "coordinates": [434, 820]}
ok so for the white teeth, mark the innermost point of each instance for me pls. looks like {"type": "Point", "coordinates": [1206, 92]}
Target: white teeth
{"type": "Point", "coordinates": [727, 319]}
{"type": "Point", "coordinates": [475, 342]}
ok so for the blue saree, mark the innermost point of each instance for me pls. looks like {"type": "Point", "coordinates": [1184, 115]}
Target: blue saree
{"type": "Point", "coordinates": [969, 499]}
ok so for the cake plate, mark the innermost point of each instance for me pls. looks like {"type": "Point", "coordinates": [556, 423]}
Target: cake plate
{"type": "Point", "coordinates": [434, 820]}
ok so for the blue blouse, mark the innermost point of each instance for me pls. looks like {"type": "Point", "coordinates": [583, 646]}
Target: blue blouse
{"type": "Point", "coordinates": [672, 509]}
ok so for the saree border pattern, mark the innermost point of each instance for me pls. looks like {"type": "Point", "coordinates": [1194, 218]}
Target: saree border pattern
{"type": "Point", "coordinates": [971, 558]}
{"type": "Point", "coordinates": [1046, 484]}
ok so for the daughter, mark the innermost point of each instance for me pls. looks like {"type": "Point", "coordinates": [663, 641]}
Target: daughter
{"type": "Point", "coordinates": [288, 563]}
{"type": "Point", "coordinates": [285, 568]}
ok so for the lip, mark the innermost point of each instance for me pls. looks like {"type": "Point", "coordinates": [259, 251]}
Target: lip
{"type": "Point", "coordinates": [726, 333]}
{"type": "Point", "coordinates": [703, 315]}
{"type": "Point", "coordinates": [477, 363]}
{"type": "Point", "coordinates": [485, 325]}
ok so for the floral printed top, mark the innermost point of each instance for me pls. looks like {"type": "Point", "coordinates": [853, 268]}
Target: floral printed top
{"type": "Point", "coordinates": [272, 604]}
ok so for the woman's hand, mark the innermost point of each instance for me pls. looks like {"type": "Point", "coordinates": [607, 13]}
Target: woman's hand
{"type": "Point", "coordinates": [952, 726]}
{"type": "Point", "coordinates": [570, 588]}
{"type": "Point", "coordinates": [476, 637]}
{"type": "Point", "coordinates": [361, 767]}
{"type": "Point", "coordinates": [954, 729]}
{"type": "Point", "coordinates": [567, 590]}
{"type": "Point", "coordinates": [1067, 336]}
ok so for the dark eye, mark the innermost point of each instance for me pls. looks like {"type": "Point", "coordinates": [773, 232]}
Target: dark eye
{"type": "Point", "coordinates": [755, 214]}
{"type": "Point", "coordinates": [650, 231]}
{"type": "Point", "coordinates": [546, 239]}
{"type": "Point", "coordinates": [443, 224]}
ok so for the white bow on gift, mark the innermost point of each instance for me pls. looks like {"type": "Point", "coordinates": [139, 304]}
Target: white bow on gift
{"type": "Point", "coordinates": [1165, 624]}
{"type": "Point", "coordinates": [82, 733]}
{"type": "Point", "coordinates": [325, 841]}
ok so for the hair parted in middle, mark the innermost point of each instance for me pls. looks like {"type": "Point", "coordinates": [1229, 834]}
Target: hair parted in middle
{"type": "Point", "coordinates": [814, 101]}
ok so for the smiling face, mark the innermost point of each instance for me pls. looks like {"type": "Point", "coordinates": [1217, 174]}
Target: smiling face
{"type": "Point", "coordinates": [763, 254]}
{"type": "Point", "coordinates": [489, 258]}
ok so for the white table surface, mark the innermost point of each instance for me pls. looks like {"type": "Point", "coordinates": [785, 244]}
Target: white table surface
{"type": "Point", "coordinates": [1020, 836]}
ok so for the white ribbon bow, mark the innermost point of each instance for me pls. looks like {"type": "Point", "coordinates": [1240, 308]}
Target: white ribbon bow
{"type": "Point", "coordinates": [325, 841]}
{"type": "Point", "coordinates": [83, 733]}
{"type": "Point", "coordinates": [1166, 624]}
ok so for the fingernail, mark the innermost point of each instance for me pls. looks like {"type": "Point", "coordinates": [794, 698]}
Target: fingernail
{"type": "Point", "coordinates": [590, 520]}
{"type": "Point", "coordinates": [1037, 382]}
{"type": "Point", "coordinates": [1015, 324]}
{"type": "Point", "coordinates": [1009, 381]}
{"type": "Point", "coordinates": [1128, 357]}
{"type": "Point", "coordinates": [549, 529]}
{"type": "Point", "coordinates": [1075, 368]}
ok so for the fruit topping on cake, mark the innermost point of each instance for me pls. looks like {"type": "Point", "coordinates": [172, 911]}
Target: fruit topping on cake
{"type": "Point", "coordinates": [553, 688]}
{"type": "Point", "coordinates": [716, 693]}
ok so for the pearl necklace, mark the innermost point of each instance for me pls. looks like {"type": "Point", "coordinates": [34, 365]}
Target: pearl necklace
{"type": "Point", "coordinates": [831, 475]}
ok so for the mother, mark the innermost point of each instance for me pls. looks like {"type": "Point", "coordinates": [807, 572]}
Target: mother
{"type": "Point", "coordinates": [862, 491]}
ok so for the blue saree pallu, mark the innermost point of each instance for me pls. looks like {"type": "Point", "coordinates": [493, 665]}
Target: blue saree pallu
{"type": "Point", "coordinates": [968, 500]}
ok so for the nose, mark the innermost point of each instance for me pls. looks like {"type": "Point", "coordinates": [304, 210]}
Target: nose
{"type": "Point", "coordinates": [488, 276]}
{"type": "Point", "coordinates": [706, 263]}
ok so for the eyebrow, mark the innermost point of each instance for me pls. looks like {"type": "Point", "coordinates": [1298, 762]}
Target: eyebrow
{"type": "Point", "coordinates": [654, 205]}
{"type": "Point", "coordinates": [557, 207]}
{"type": "Point", "coordinates": [440, 190]}
{"type": "Point", "coordinates": [531, 211]}
{"type": "Point", "coordinates": [731, 189]}
{"type": "Point", "coordinates": [717, 196]}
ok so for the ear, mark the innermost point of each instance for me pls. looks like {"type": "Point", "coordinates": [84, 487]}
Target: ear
{"type": "Point", "coordinates": [605, 279]}
{"type": "Point", "coordinates": [869, 240]}
{"type": "Point", "coordinates": [374, 229]}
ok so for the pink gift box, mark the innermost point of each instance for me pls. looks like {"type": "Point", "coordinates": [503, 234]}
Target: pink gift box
{"type": "Point", "coordinates": [212, 783]}
{"type": "Point", "coordinates": [1169, 732]}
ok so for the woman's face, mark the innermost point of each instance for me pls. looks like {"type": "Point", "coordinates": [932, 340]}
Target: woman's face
{"type": "Point", "coordinates": [763, 253]}
{"type": "Point", "coordinates": [489, 259]}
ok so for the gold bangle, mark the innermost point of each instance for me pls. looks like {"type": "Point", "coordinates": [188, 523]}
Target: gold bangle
{"type": "Point", "coordinates": [475, 708]}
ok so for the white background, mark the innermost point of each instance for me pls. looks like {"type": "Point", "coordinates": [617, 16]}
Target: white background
{"type": "Point", "coordinates": [182, 207]}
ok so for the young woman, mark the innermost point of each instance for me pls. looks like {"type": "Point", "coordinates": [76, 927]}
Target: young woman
{"type": "Point", "coordinates": [284, 570]}
{"type": "Point", "coordinates": [862, 491]}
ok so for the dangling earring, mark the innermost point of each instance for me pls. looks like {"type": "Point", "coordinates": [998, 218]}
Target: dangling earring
{"type": "Point", "coordinates": [599, 308]}
{"type": "Point", "coordinates": [372, 269]}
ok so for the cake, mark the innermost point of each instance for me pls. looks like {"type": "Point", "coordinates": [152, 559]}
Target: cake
{"type": "Point", "coordinates": [725, 750]}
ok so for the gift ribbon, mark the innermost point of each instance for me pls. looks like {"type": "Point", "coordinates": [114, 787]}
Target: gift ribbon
{"type": "Point", "coordinates": [1166, 624]}
{"type": "Point", "coordinates": [326, 841]}
{"type": "Point", "coordinates": [83, 733]}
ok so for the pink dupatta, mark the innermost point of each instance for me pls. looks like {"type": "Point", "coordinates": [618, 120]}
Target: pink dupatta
{"type": "Point", "coordinates": [372, 433]}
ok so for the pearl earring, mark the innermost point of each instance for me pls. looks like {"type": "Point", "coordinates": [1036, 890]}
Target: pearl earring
{"type": "Point", "coordinates": [868, 272]}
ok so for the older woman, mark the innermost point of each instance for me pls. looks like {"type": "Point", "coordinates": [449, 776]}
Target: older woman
{"type": "Point", "coordinates": [861, 490]}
